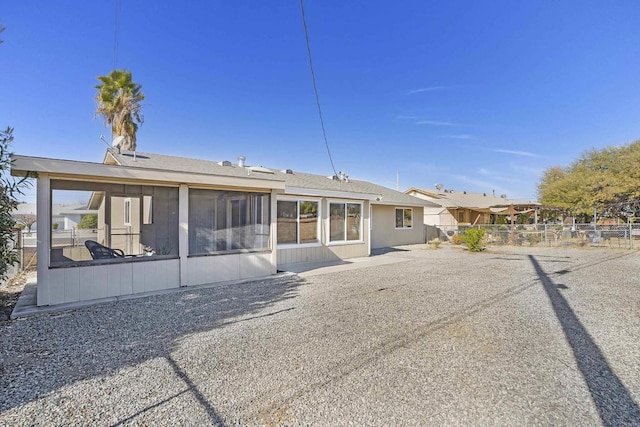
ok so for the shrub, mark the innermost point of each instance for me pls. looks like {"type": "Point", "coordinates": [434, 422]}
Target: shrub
{"type": "Point", "coordinates": [456, 239]}
{"type": "Point", "coordinates": [533, 238]}
{"type": "Point", "coordinates": [473, 239]}
{"type": "Point", "coordinates": [89, 221]}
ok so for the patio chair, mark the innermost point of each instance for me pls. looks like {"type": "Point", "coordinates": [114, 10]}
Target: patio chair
{"type": "Point", "coordinates": [99, 251]}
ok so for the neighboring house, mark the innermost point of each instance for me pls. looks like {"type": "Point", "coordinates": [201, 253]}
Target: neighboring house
{"type": "Point", "coordinates": [70, 216]}
{"type": "Point", "coordinates": [464, 208]}
{"type": "Point", "coordinates": [66, 216]}
{"type": "Point", "coordinates": [186, 222]}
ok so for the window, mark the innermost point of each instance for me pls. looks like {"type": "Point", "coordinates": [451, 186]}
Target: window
{"type": "Point", "coordinates": [298, 222]}
{"type": "Point", "coordinates": [227, 221]}
{"type": "Point", "coordinates": [345, 222]}
{"type": "Point", "coordinates": [127, 212]}
{"type": "Point", "coordinates": [460, 216]}
{"type": "Point", "coordinates": [117, 217]}
{"type": "Point", "coordinates": [404, 218]}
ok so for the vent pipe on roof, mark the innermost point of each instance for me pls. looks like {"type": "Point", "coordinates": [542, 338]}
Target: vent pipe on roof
{"type": "Point", "coordinates": [241, 160]}
{"type": "Point", "coordinates": [494, 193]}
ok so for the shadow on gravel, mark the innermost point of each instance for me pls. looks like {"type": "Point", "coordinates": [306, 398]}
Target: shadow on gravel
{"type": "Point", "coordinates": [612, 399]}
{"type": "Point", "coordinates": [382, 251]}
{"type": "Point", "coordinates": [42, 354]}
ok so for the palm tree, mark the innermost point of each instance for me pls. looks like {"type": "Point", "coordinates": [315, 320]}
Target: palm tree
{"type": "Point", "coordinates": [118, 101]}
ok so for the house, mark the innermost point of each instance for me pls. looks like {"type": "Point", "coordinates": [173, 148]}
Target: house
{"type": "Point", "coordinates": [66, 216]}
{"type": "Point", "coordinates": [462, 208]}
{"type": "Point", "coordinates": [174, 222]}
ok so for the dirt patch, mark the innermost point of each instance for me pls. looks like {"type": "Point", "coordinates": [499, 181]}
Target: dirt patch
{"type": "Point", "coordinates": [10, 292]}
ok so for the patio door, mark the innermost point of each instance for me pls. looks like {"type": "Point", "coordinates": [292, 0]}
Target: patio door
{"type": "Point", "coordinates": [125, 224]}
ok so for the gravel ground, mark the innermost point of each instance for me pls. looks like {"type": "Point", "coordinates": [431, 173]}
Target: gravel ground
{"type": "Point", "coordinates": [513, 336]}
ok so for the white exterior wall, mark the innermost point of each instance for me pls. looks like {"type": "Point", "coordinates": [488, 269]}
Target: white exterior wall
{"type": "Point", "coordinates": [384, 232]}
{"type": "Point", "coordinates": [73, 284]}
{"type": "Point", "coordinates": [325, 250]}
{"type": "Point", "coordinates": [223, 268]}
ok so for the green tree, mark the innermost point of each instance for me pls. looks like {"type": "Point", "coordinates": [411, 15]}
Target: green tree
{"type": "Point", "coordinates": [89, 221]}
{"type": "Point", "coordinates": [119, 102]}
{"type": "Point", "coordinates": [9, 189]}
{"type": "Point", "coordinates": [608, 179]}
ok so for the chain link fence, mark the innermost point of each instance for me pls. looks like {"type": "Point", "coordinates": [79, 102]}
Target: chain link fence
{"type": "Point", "coordinates": [619, 236]}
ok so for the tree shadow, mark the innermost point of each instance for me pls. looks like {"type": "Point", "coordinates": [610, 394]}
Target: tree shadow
{"type": "Point", "coordinates": [98, 340]}
{"type": "Point", "coordinates": [613, 401]}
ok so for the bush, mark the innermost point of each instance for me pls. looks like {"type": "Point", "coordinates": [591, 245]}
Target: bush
{"type": "Point", "coordinates": [456, 239]}
{"type": "Point", "coordinates": [89, 221]}
{"type": "Point", "coordinates": [473, 239]}
{"type": "Point", "coordinates": [533, 238]}
{"type": "Point", "coordinates": [435, 243]}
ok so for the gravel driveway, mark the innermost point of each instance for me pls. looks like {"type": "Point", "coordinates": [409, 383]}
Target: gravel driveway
{"type": "Point", "coordinates": [514, 336]}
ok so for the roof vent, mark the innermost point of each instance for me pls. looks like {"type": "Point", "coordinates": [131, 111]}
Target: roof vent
{"type": "Point", "coordinates": [288, 171]}
{"type": "Point", "coordinates": [484, 194]}
{"type": "Point", "coordinates": [241, 160]}
{"type": "Point", "coordinates": [343, 176]}
{"type": "Point", "coordinates": [225, 163]}
{"type": "Point", "coordinates": [464, 192]}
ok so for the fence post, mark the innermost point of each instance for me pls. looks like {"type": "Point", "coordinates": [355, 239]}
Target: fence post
{"type": "Point", "coordinates": [630, 234]}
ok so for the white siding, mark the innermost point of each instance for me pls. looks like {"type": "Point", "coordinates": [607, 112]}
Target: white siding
{"type": "Point", "coordinates": [223, 268]}
{"type": "Point", "coordinates": [73, 284]}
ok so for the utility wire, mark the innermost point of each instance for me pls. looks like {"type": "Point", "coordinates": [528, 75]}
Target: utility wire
{"type": "Point", "coordinates": [315, 87]}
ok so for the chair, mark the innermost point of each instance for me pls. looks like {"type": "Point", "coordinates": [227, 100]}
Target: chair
{"type": "Point", "coordinates": [99, 251]}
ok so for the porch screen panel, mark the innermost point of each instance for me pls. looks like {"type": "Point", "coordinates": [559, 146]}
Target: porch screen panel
{"type": "Point", "coordinates": [227, 221]}
{"type": "Point", "coordinates": [112, 219]}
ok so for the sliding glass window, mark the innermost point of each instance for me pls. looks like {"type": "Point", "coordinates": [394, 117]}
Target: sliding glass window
{"type": "Point", "coordinates": [345, 222]}
{"type": "Point", "coordinates": [298, 222]}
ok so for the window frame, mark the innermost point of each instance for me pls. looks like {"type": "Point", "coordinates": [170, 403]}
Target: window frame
{"type": "Point", "coordinates": [345, 202]}
{"type": "Point", "coordinates": [404, 227]}
{"type": "Point", "coordinates": [298, 200]}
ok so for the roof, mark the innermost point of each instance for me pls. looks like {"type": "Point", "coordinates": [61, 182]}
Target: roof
{"type": "Point", "coordinates": [295, 182]}
{"type": "Point", "coordinates": [139, 167]}
{"type": "Point", "coordinates": [463, 199]}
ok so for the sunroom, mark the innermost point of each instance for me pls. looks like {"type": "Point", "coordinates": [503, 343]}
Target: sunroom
{"type": "Point", "coordinates": [150, 229]}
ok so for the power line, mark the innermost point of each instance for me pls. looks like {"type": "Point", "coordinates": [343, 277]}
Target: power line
{"type": "Point", "coordinates": [315, 87]}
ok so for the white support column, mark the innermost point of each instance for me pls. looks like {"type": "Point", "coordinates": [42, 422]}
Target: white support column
{"type": "Point", "coordinates": [273, 233]}
{"type": "Point", "coordinates": [183, 232]}
{"type": "Point", "coordinates": [366, 228]}
{"type": "Point", "coordinates": [43, 210]}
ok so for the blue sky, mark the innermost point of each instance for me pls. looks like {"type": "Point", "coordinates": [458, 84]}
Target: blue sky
{"type": "Point", "coordinates": [476, 95]}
